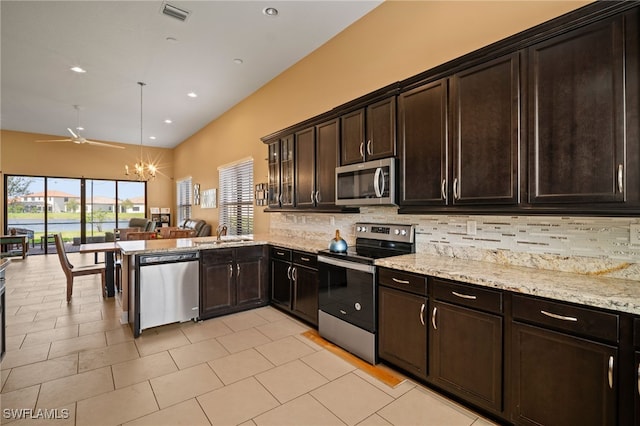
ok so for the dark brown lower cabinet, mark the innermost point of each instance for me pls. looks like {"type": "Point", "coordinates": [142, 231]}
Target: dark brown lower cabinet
{"type": "Point", "coordinates": [295, 283]}
{"type": "Point", "coordinates": [402, 332]}
{"type": "Point", "coordinates": [466, 353]}
{"type": "Point", "coordinates": [560, 379]}
{"type": "Point", "coordinates": [636, 373]}
{"type": "Point", "coordinates": [232, 280]}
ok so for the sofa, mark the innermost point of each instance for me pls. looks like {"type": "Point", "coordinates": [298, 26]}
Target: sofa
{"type": "Point", "coordinates": [201, 228]}
{"type": "Point", "coordinates": [136, 224]}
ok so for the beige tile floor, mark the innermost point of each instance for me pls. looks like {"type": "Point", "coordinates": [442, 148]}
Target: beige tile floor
{"type": "Point", "coordinates": [253, 368]}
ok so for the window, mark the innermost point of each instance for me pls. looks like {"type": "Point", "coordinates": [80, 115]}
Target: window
{"type": "Point", "coordinates": [236, 197]}
{"type": "Point", "coordinates": [183, 190]}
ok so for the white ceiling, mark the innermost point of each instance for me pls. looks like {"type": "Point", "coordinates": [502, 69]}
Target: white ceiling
{"type": "Point", "coordinates": [120, 43]}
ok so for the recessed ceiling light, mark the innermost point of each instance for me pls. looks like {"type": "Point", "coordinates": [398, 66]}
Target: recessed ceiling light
{"type": "Point", "coordinates": [192, 95]}
{"type": "Point", "coordinates": [168, 121]}
{"type": "Point", "coordinates": [80, 128]}
{"type": "Point", "coordinates": [78, 70]}
{"type": "Point", "coordinates": [153, 138]}
{"type": "Point", "coordinates": [238, 61]}
{"type": "Point", "coordinates": [270, 11]}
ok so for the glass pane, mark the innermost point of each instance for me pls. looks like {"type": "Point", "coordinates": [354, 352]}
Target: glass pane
{"type": "Point", "coordinates": [25, 209]}
{"type": "Point", "coordinates": [100, 210]}
{"type": "Point", "coordinates": [63, 212]}
{"type": "Point", "coordinates": [131, 202]}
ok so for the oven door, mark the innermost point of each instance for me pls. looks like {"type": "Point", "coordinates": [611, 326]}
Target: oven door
{"type": "Point", "coordinates": [347, 291]}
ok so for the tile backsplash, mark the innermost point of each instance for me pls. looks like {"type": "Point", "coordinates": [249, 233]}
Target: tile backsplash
{"type": "Point", "coordinates": [586, 245]}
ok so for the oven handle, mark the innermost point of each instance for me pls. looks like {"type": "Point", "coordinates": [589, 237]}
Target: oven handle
{"type": "Point", "coordinates": [346, 264]}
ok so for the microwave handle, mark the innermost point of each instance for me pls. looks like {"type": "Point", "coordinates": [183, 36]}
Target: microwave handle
{"type": "Point", "coordinates": [376, 182]}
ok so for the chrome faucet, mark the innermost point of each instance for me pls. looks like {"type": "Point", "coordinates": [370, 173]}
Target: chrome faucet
{"type": "Point", "coordinates": [221, 231]}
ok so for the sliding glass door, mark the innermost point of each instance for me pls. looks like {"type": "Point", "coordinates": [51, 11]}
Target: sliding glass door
{"type": "Point", "coordinates": [82, 210]}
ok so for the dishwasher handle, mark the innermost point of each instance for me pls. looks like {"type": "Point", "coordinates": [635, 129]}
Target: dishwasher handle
{"type": "Point", "coordinates": [146, 260]}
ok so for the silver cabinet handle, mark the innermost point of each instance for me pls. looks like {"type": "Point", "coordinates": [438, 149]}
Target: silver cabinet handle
{"type": "Point", "coordinates": [279, 253]}
{"type": "Point", "coordinates": [305, 259]}
{"type": "Point", "coordinates": [238, 270]}
{"type": "Point", "coordinates": [464, 296]}
{"type": "Point", "coordinates": [620, 178]}
{"type": "Point", "coordinates": [456, 195]}
{"type": "Point", "coordinates": [610, 372]}
{"type": "Point", "coordinates": [289, 272]}
{"type": "Point", "coordinates": [230, 271]}
{"type": "Point", "coordinates": [280, 198]}
{"type": "Point", "coordinates": [399, 281]}
{"type": "Point", "coordinates": [433, 317]}
{"type": "Point", "coordinates": [294, 274]}
{"type": "Point", "coordinates": [317, 197]}
{"type": "Point", "coordinates": [443, 190]}
{"type": "Point", "coordinates": [369, 147]}
{"type": "Point", "coordinates": [560, 317]}
{"type": "Point", "coordinates": [362, 149]}
{"type": "Point", "coordinates": [422, 314]}
{"type": "Point", "coordinates": [312, 194]}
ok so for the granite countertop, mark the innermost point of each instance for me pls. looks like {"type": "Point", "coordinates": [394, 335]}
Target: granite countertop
{"type": "Point", "coordinates": [591, 290]}
{"type": "Point", "coordinates": [4, 263]}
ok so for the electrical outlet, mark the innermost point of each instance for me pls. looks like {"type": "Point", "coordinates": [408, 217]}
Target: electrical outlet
{"type": "Point", "coordinates": [471, 227]}
{"type": "Point", "coordinates": [634, 233]}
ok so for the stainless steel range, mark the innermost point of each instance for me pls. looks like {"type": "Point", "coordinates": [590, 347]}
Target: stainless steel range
{"type": "Point", "coordinates": [347, 297]}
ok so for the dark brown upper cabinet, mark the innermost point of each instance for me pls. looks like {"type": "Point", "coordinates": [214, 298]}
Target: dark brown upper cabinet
{"type": "Point", "coordinates": [305, 167]}
{"type": "Point", "coordinates": [327, 159]}
{"type": "Point", "coordinates": [577, 116]}
{"type": "Point", "coordinates": [422, 127]}
{"type": "Point", "coordinates": [280, 163]}
{"type": "Point", "coordinates": [369, 133]}
{"type": "Point", "coordinates": [486, 133]}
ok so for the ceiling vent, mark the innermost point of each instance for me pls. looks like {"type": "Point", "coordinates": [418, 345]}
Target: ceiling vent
{"type": "Point", "coordinates": [174, 12]}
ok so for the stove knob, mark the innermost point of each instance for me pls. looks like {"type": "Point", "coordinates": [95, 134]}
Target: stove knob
{"type": "Point", "coordinates": [364, 229]}
{"type": "Point", "coordinates": [397, 232]}
{"type": "Point", "coordinates": [403, 232]}
{"type": "Point", "coordinates": [358, 228]}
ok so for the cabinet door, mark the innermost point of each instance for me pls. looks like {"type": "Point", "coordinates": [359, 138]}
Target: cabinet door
{"type": "Point", "coordinates": [352, 140]}
{"type": "Point", "coordinates": [466, 353]}
{"type": "Point", "coordinates": [305, 154]}
{"type": "Point", "coordinates": [287, 185]}
{"type": "Point", "coordinates": [327, 159]}
{"type": "Point", "coordinates": [402, 333]}
{"type": "Point", "coordinates": [217, 290]}
{"type": "Point", "coordinates": [562, 380]}
{"type": "Point", "coordinates": [250, 281]}
{"type": "Point", "coordinates": [486, 133]}
{"type": "Point", "coordinates": [305, 302]}
{"type": "Point", "coordinates": [273, 199]}
{"type": "Point", "coordinates": [381, 129]}
{"type": "Point", "coordinates": [576, 103]}
{"type": "Point", "coordinates": [281, 283]}
{"type": "Point", "coordinates": [422, 123]}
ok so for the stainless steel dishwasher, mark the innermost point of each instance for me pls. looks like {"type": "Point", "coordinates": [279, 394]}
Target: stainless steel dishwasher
{"type": "Point", "coordinates": [166, 289]}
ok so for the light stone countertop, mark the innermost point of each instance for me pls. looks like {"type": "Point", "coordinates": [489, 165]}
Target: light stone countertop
{"type": "Point", "coordinates": [591, 290]}
{"type": "Point", "coordinates": [603, 292]}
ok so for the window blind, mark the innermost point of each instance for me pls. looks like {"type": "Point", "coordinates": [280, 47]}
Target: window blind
{"type": "Point", "coordinates": [183, 191]}
{"type": "Point", "coordinates": [236, 197]}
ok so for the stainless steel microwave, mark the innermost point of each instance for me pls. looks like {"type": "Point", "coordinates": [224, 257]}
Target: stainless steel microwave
{"type": "Point", "coordinates": [365, 184]}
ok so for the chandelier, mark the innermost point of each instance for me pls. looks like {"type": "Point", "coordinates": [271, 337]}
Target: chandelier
{"type": "Point", "coordinates": [142, 171]}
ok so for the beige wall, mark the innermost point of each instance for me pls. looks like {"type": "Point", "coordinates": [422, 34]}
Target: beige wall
{"type": "Point", "coordinates": [20, 155]}
{"type": "Point", "coordinates": [395, 41]}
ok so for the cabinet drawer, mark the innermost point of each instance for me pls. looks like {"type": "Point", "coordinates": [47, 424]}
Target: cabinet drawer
{"type": "Point", "coordinates": [403, 280]}
{"type": "Point", "coordinates": [281, 253]}
{"type": "Point", "coordinates": [467, 295]}
{"type": "Point", "coordinates": [581, 321]}
{"type": "Point", "coordinates": [306, 259]}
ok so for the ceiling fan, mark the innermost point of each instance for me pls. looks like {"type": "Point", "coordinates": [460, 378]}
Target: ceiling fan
{"type": "Point", "coordinates": [80, 140]}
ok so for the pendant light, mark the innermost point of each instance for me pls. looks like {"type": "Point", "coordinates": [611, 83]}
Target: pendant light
{"type": "Point", "coordinates": [142, 170]}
